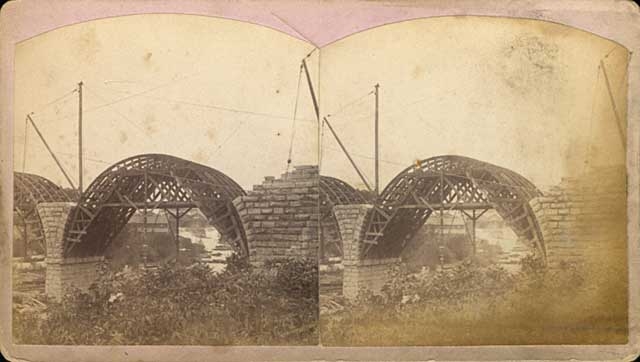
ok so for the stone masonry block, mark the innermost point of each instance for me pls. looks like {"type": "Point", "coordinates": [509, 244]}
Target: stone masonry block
{"type": "Point", "coordinates": [285, 205]}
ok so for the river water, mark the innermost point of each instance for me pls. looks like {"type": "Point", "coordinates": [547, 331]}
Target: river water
{"type": "Point", "coordinates": [216, 251]}
{"type": "Point", "coordinates": [512, 249]}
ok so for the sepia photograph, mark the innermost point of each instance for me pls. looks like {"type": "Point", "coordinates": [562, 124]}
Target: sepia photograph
{"type": "Point", "coordinates": [166, 191]}
{"type": "Point", "coordinates": [322, 181]}
{"type": "Point", "coordinates": [491, 168]}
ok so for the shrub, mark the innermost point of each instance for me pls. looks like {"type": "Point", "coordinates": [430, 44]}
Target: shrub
{"type": "Point", "coordinates": [446, 285]}
{"type": "Point", "coordinates": [567, 304]}
{"type": "Point", "coordinates": [192, 305]}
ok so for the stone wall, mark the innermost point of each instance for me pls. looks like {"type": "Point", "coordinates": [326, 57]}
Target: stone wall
{"type": "Point", "coordinates": [359, 273]}
{"type": "Point", "coordinates": [280, 216]}
{"type": "Point", "coordinates": [63, 274]}
{"type": "Point", "coordinates": [584, 219]}
{"type": "Point", "coordinates": [352, 223]}
{"type": "Point", "coordinates": [53, 216]}
{"type": "Point", "coordinates": [367, 275]}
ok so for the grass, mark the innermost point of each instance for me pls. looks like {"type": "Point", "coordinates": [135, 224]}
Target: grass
{"type": "Point", "coordinates": [553, 310]}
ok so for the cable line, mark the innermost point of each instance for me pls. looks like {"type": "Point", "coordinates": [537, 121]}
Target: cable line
{"type": "Point", "coordinates": [41, 108]}
{"type": "Point", "coordinates": [359, 155]}
{"type": "Point", "coordinates": [355, 101]}
{"type": "Point", "coordinates": [90, 109]}
{"type": "Point", "coordinates": [118, 112]}
{"type": "Point", "coordinates": [402, 109]}
{"type": "Point", "coordinates": [24, 149]}
{"type": "Point", "coordinates": [293, 124]}
{"type": "Point", "coordinates": [139, 127]}
{"type": "Point", "coordinates": [593, 106]}
{"type": "Point", "coordinates": [96, 160]}
{"type": "Point", "coordinates": [218, 107]}
{"type": "Point", "coordinates": [321, 146]}
{"type": "Point", "coordinates": [233, 133]}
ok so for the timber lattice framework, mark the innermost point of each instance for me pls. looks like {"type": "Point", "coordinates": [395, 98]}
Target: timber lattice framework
{"type": "Point", "coordinates": [156, 181]}
{"type": "Point", "coordinates": [446, 183]}
{"type": "Point", "coordinates": [152, 181]}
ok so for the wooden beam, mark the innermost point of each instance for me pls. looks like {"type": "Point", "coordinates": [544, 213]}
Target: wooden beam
{"type": "Point", "coordinates": [382, 212]}
{"type": "Point", "coordinates": [621, 128]}
{"type": "Point", "coordinates": [158, 205]}
{"type": "Point", "coordinates": [448, 206]}
{"type": "Point", "coordinates": [51, 152]}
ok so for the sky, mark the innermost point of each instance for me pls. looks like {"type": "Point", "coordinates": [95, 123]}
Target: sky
{"type": "Point", "coordinates": [215, 91]}
{"type": "Point", "coordinates": [522, 94]}
{"type": "Point", "coordinates": [526, 95]}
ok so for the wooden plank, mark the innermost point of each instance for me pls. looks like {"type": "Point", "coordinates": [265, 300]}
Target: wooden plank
{"type": "Point", "coordinates": [450, 206]}
{"type": "Point", "coordinates": [371, 233]}
{"type": "Point", "coordinates": [86, 211]}
{"type": "Point", "coordinates": [379, 210]}
{"type": "Point", "coordinates": [158, 205]}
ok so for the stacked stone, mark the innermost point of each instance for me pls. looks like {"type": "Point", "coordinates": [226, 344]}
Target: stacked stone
{"type": "Point", "coordinates": [352, 221]}
{"type": "Point", "coordinates": [280, 216]}
{"type": "Point", "coordinates": [63, 273]}
{"type": "Point", "coordinates": [583, 218]}
{"type": "Point", "coordinates": [359, 272]}
{"type": "Point", "coordinates": [71, 273]}
{"type": "Point", "coordinates": [53, 216]}
{"type": "Point", "coordinates": [367, 275]}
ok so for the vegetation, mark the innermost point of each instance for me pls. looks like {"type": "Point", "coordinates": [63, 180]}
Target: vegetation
{"type": "Point", "coordinates": [277, 304]}
{"type": "Point", "coordinates": [131, 248]}
{"type": "Point", "coordinates": [476, 305]}
{"type": "Point", "coordinates": [424, 250]}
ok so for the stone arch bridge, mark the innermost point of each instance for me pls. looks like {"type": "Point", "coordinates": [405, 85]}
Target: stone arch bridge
{"type": "Point", "coordinates": [374, 234]}
{"type": "Point", "coordinates": [28, 191]}
{"type": "Point", "coordinates": [281, 217]}
{"type": "Point", "coordinates": [151, 181]}
{"type": "Point", "coordinates": [446, 183]}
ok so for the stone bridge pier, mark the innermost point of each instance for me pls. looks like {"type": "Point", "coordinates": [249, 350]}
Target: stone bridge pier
{"type": "Point", "coordinates": [63, 273]}
{"type": "Point", "coordinates": [584, 219]}
{"type": "Point", "coordinates": [281, 217]}
{"type": "Point", "coordinates": [360, 273]}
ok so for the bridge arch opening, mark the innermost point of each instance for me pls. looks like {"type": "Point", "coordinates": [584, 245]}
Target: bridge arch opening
{"type": "Point", "coordinates": [447, 183]}
{"type": "Point", "coordinates": [334, 192]}
{"type": "Point", "coordinates": [146, 182]}
{"type": "Point", "coordinates": [28, 191]}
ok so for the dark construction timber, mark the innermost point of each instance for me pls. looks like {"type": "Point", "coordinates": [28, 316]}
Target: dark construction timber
{"type": "Point", "coordinates": [155, 181]}
{"type": "Point", "coordinates": [53, 155]}
{"type": "Point", "coordinates": [449, 183]}
{"type": "Point", "coordinates": [152, 182]}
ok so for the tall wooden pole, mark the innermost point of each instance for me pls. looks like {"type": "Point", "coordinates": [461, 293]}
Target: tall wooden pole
{"type": "Point", "coordinates": [353, 163]}
{"type": "Point", "coordinates": [473, 231]}
{"type": "Point", "coordinates": [177, 233]}
{"type": "Point", "coordinates": [377, 185]}
{"type": "Point", "coordinates": [621, 128]}
{"type": "Point", "coordinates": [24, 148]}
{"type": "Point", "coordinates": [53, 155]}
{"type": "Point", "coordinates": [144, 217]}
{"type": "Point", "coordinates": [80, 189]}
{"type": "Point", "coordinates": [441, 246]}
{"type": "Point", "coordinates": [316, 108]}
